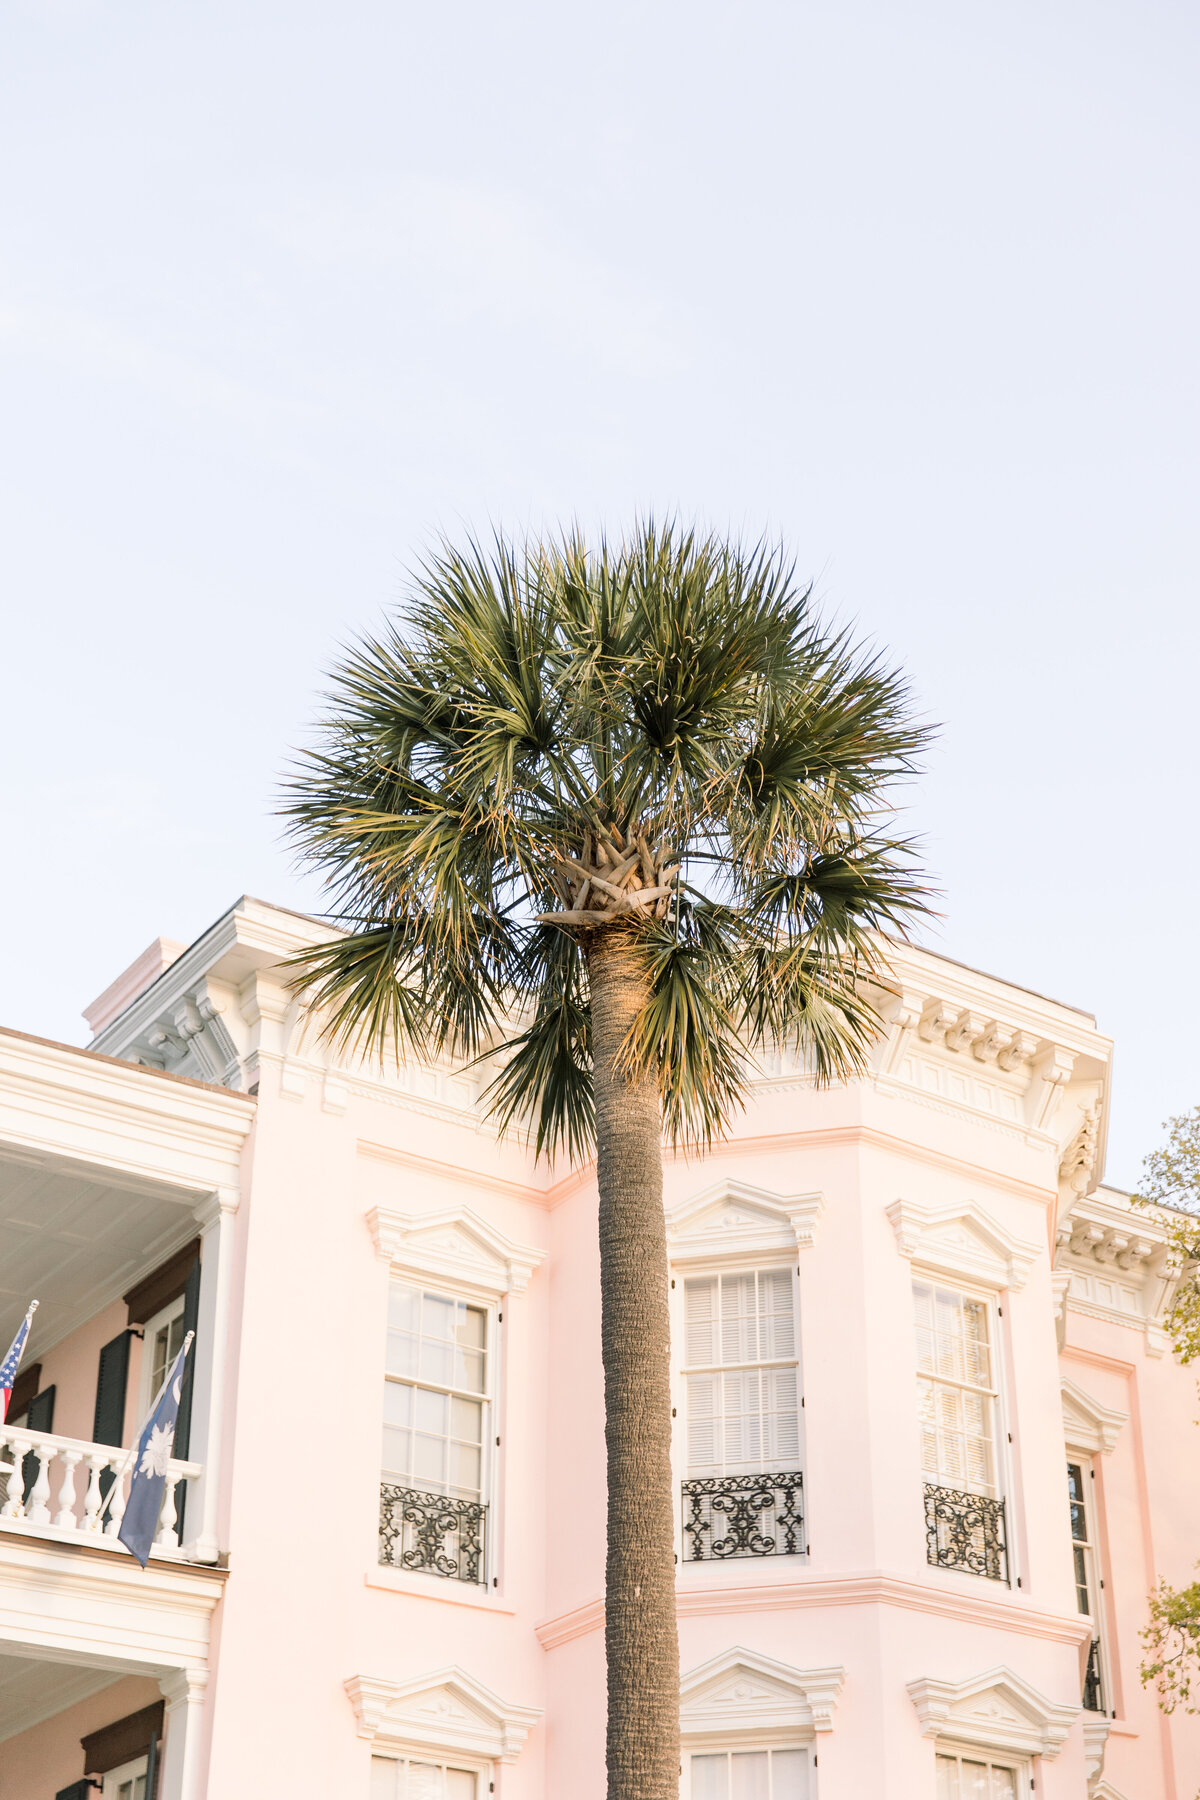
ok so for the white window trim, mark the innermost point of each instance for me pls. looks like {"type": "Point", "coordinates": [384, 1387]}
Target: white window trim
{"type": "Point", "coordinates": [1021, 1766]}
{"type": "Point", "coordinates": [128, 1771]}
{"type": "Point", "coordinates": [743, 1700]}
{"type": "Point", "coordinates": [997, 1711]}
{"type": "Point", "coordinates": [963, 1241]}
{"type": "Point", "coordinates": [998, 1345]}
{"type": "Point", "coordinates": [165, 1315]}
{"type": "Point", "coordinates": [455, 1245]}
{"type": "Point", "coordinates": [489, 1486]}
{"type": "Point", "coordinates": [681, 1369]}
{"type": "Point", "coordinates": [735, 1747]}
{"type": "Point", "coordinates": [1098, 1619]}
{"type": "Point", "coordinates": [446, 1714]}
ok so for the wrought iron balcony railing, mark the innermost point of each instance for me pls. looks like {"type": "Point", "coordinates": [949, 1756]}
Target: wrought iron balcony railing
{"type": "Point", "coordinates": [965, 1531]}
{"type": "Point", "coordinates": [432, 1533]}
{"type": "Point", "coordinates": [1093, 1690]}
{"type": "Point", "coordinates": [742, 1515]}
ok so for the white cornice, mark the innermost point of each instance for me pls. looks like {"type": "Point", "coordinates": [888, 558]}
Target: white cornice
{"type": "Point", "coordinates": [734, 1222]}
{"type": "Point", "coordinates": [130, 1122]}
{"type": "Point", "coordinates": [997, 1710]}
{"type": "Point", "coordinates": [961, 1239]}
{"type": "Point", "coordinates": [447, 1710]}
{"type": "Point", "coordinates": [455, 1245]}
{"type": "Point", "coordinates": [1087, 1425]}
{"type": "Point", "coordinates": [101, 1609]}
{"type": "Point", "coordinates": [741, 1695]}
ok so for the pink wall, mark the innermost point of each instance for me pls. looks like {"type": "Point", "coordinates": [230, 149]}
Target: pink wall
{"type": "Point", "coordinates": [37, 1762]}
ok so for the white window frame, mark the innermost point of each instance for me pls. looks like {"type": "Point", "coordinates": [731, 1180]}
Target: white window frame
{"type": "Point", "coordinates": [129, 1771]}
{"type": "Point", "coordinates": [732, 1746]}
{"type": "Point", "coordinates": [489, 1460]}
{"type": "Point", "coordinates": [1020, 1766]}
{"type": "Point", "coordinates": [483, 1770]}
{"type": "Point", "coordinates": [706, 1271]}
{"type": "Point", "coordinates": [166, 1315]}
{"type": "Point", "coordinates": [680, 1272]}
{"type": "Point", "coordinates": [1098, 1591]}
{"type": "Point", "coordinates": [993, 1300]}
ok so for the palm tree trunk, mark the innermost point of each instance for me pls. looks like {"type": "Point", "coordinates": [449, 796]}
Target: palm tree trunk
{"type": "Point", "coordinates": [640, 1634]}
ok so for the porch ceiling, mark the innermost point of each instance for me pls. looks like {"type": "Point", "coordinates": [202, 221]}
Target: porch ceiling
{"type": "Point", "coordinates": [32, 1690]}
{"type": "Point", "coordinates": [76, 1243]}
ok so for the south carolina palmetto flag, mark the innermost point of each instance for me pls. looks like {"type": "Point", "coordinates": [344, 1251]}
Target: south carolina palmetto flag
{"type": "Point", "coordinates": [12, 1362]}
{"type": "Point", "coordinates": [150, 1457]}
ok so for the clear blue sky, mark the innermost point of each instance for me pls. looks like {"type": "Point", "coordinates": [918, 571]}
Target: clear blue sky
{"type": "Point", "coordinates": [285, 288]}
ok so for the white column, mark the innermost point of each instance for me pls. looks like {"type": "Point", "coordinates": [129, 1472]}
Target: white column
{"type": "Point", "coordinates": [216, 1218]}
{"type": "Point", "coordinates": [183, 1691]}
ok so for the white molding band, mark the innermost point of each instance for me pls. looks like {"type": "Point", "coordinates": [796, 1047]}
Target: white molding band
{"type": "Point", "coordinates": [997, 1710]}
{"type": "Point", "coordinates": [961, 1240]}
{"type": "Point", "coordinates": [734, 1222]}
{"type": "Point", "coordinates": [456, 1245]}
{"type": "Point", "coordinates": [445, 1711]}
{"type": "Point", "coordinates": [741, 1696]}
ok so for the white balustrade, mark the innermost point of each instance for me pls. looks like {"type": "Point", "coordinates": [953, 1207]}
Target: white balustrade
{"type": "Point", "coordinates": [73, 1471]}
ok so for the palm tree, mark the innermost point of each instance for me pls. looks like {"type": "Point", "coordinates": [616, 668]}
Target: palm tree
{"type": "Point", "coordinates": [616, 815]}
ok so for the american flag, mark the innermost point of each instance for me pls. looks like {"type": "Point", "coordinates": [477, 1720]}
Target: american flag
{"type": "Point", "coordinates": [12, 1362]}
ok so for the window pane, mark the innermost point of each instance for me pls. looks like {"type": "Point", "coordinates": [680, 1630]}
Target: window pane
{"type": "Point", "coordinates": [974, 1782]}
{"type": "Point", "coordinates": [384, 1782]}
{"type": "Point", "coordinates": [460, 1784]}
{"type": "Point", "coordinates": [710, 1778]}
{"type": "Point", "coordinates": [468, 1371]}
{"type": "Point", "coordinates": [777, 1336]}
{"type": "Point", "coordinates": [947, 1778]}
{"type": "Point", "coordinates": [789, 1775]}
{"type": "Point", "coordinates": [424, 1782]}
{"type": "Point", "coordinates": [465, 1470]}
{"type": "Point", "coordinates": [1004, 1784]}
{"type": "Point", "coordinates": [749, 1777]}
{"type": "Point", "coordinates": [739, 1319]}
{"type": "Point", "coordinates": [429, 1460]}
{"type": "Point", "coordinates": [472, 1324]}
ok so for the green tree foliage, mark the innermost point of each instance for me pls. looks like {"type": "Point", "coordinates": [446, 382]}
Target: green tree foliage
{"type": "Point", "coordinates": [619, 816]}
{"type": "Point", "coordinates": [1171, 1180]}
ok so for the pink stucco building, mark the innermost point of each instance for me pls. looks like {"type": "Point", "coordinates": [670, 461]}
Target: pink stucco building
{"type": "Point", "coordinates": [932, 1446]}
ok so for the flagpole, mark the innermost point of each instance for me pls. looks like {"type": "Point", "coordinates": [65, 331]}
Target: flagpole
{"type": "Point", "coordinates": [124, 1469]}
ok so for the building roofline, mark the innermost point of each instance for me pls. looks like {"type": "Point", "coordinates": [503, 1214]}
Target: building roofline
{"type": "Point", "coordinates": [123, 1063]}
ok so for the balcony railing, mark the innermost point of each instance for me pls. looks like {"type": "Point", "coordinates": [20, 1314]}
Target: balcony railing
{"type": "Point", "coordinates": [965, 1531]}
{"type": "Point", "coordinates": [742, 1515]}
{"type": "Point", "coordinates": [1093, 1689]}
{"type": "Point", "coordinates": [55, 1487]}
{"type": "Point", "coordinates": [434, 1534]}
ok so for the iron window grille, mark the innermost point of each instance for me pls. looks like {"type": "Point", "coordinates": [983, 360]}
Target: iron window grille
{"type": "Point", "coordinates": [965, 1531]}
{"type": "Point", "coordinates": [433, 1534]}
{"type": "Point", "coordinates": [1093, 1687]}
{"type": "Point", "coordinates": [743, 1515]}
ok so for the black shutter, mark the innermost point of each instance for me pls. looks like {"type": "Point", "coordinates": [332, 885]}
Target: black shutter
{"type": "Point", "coordinates": [39, 1416]}
{"type": "Point", "coordinates": [183, 1424]}
{"type": "Point", "coordinates": [109, 1423]}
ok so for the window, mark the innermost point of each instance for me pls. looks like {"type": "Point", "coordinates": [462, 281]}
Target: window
{"type": "Point", "coordinates": [966, 1778]}
{"type": "Point", "coordinates": [434, 1393]}
{"type": "Point", "coordinates": [126, 1783]}
{"type": "Point", "coordinates": [740, 1374]}
{"type": "Point", "coordinates": [161, 1344]}
{"type": "Point", "coordinates": [750, 1775]}
{"type": "Point", "coordinates": [1087, 1580]}
{"type": "Point", "coordinates": [400, 1779]}
{"type": "Point", "coordinates": [957, 1400]}
{"type": "Point", "coordinates": [955, 1384]}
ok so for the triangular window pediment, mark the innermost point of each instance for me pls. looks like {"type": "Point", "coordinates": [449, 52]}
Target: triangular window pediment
{"type": "Point", "coordinates": [457, 1246]}
{"type": "Point", "coordinates": [965, 1241]}
{"type": "Point", "coordinates": [734, 1219]}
